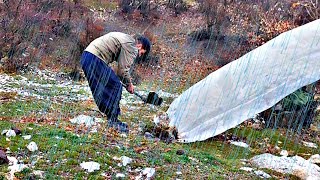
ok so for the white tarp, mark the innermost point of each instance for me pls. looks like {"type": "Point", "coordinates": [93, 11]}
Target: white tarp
{"type": "Point", "coordinates": [248, 85]}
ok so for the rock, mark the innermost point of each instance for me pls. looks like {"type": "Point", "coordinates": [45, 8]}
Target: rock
{"type": "Point", "coordinates": [120, 175]}
{"type": "Point", "coordinates": [139, 177]}
{"type": "Point", "coordinates": [149, 172]}
{"type": "Point", "coordinates": [257, 126]}
{"type": "Point", "coordinates": [12, 160]}
{"type": "Point", "coordinates": [315, 159]}
{"type": "Point", "coordinates": [166, 94]}
{"type": "Point", "coordinates": [277, 148]}
{"type": "Point", "coordinates": [314, 128]}
{"type": "Point", "coordinates": [248, 169]}
{"type": "Point", "coordinates": [17, 168]}
{"type": "Point", "coordinates": [87, 120]}
{"type": "Point", "coordinates": [26, 137]}
{"type": "Point", "coordinates": [310, 144]}
{"type": "Point", "coordinates": [32, 146]}
{"type": "Point", "coordinates": [295, 165]}
{"type": "Point", "coordinates": [284, 153]}
{"type": "Point", "coordinates": [125, 160]}
{"type": "Point", "coordinates": [16, 130]}
{"type": "Point", "coordinates": [138, 170]}
{"type": "Point", "coordinates": [156, 119]}
{"type": "Point", "coordinates": [9, 133]}
{"type": "Point", "coordinates": [123, 135]}
{"type": "Point", "coordinates": [148, 135]}
{"type": "Point", "coordinates": [90, 166]}
{"type": "Point", "coordinates": [180, 152]}
{"type": "Point", "coordinates": [3, 157]}
{"type": "Point", "coordinates": [240, 144]}
{"type": "Point", "coordinates": [262, 174]}
{"type": "Point", "coordinates": [38, 173]}
{"type": "Point", "coordinates": [59, 138]}
{"type": "Point", "coordinates": [106, 175]}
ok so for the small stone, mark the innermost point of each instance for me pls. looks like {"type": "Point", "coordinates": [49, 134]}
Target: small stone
{"type": "Point", "coordinates": [123, 135]}
{"type": "Point", "coordinates": [180, 152]}
{"type": "Point", "coordinates": [295, 165]}
{"type": "Point", "coordinates": [262, 174]}
{"type": "Point", "coordinates": [38, 173]}
{"type": "Point", "coordinates": [10, 133]}
{"type": "Point", "coordinates": [12, 160]}
{"type": "Point", "coordinates": [59, 138]}
{"type": "Point", "coordinates": [32, 146]}
{"type": "Point", "coordinates": [139, 177]}
{"type": "Point", "coordinates": [240, 144]}
{"type": "Point", "coordinates": [148, 135]}
{"type": "Point", "coordinates": [26, 137]}
{"type": "Point", "coordinates": [244, 160]}
{"type": "Point", "coordinates": [16, 130]}
{"type": "Point", "coordinates": [248, 169]}
{"type": "Point", "coordinates": [90, 166]}
{"type": "Point", "coordinates": [314, 128]}
{"type": "Point", "coordinates": [4, 132]}
{"type": "Point", "coordinates": [120, 175]}
{"type": "Point", "coordinates": [156, 119]}
{"type": "Point", "coordinates": [315, 159]}
{"type": "Point", "coordinates": [310, 144]}
{"type": "Point", "coordinates": [84, 119]}
{"type": "Point", "coordinates": [149, 172]}
{"type": "Point", "coordinates": [17, 168]}
{"type": "Point", "coordinates": [284, 153]}
{"type": "Point", "coordinates": [125, 160]}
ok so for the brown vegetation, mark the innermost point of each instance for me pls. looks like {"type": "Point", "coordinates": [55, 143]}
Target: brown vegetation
{"type": "Point", "coordinates": [201, 36]}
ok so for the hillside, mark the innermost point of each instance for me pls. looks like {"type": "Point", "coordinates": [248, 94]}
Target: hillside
{"type": "Point", "coordinates": [52, 129]}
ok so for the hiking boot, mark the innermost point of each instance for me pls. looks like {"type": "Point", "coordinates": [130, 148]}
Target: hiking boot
{"type": "Point", "coordinates": [119, 126]}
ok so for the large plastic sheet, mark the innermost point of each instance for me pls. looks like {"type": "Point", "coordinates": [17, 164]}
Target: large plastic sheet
{"type": "Point", "coordinates": [249, 85]}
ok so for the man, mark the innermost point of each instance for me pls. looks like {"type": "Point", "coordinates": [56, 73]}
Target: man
{"type": "Point", "coordinates": [105, 84]}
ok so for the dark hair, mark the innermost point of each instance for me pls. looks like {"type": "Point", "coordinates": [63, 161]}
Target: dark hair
{"type": "Point", "coordinates": [146, 44]}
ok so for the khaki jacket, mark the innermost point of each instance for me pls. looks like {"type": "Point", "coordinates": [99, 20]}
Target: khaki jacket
{"type": "Point", "coordinates": [119, 47]}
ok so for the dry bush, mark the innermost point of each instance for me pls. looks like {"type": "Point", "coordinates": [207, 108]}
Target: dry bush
{"type": "Point", "coordinates": [178, 6]}
{"type": "Point", "coordinates": [305, 11]}
{"type": "Point", "coordinates": [42, 33]}
{"type": "Point", "coordinates": [216, 19]}
{"type": "Point", "coordinates": [282, 16]}
{"type": "Point", "coordinates": [139, 10]}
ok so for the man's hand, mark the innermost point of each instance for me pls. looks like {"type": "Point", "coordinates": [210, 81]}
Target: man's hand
{"type": "Point", "coordinates": [130, 88]}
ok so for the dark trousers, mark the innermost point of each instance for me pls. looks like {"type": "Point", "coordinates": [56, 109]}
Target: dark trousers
{"type": "Point", "coordinates": [105, 85]}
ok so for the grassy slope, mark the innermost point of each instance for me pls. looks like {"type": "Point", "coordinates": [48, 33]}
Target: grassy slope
{"type": "Point", "coordinates": [61, 158]}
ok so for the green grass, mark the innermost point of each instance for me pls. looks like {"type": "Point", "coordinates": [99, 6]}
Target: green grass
{"type": "Point", "coordinates": [35, 79]}
{"type": "Point", "coordinates": [16, 109]}
{"type": "Point", "coordinates": [61, 158]}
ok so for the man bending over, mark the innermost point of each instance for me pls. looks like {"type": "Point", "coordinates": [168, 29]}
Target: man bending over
{"type": "Point", "coordinates": [105, 84]}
